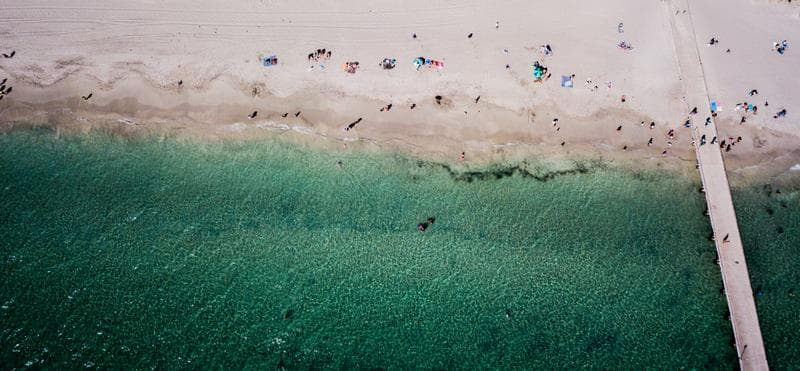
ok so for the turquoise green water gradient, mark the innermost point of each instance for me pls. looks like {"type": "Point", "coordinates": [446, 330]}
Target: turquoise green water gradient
{"type": "Point", "coordinates": [146, 253]}
{"type": "Point", "coordinates": [769, 220]}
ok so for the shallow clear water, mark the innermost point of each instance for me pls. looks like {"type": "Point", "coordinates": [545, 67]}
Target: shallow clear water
{"type": "Point", "coordinates": [147, 253]}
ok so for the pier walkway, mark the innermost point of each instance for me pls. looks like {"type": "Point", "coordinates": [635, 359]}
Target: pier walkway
{"type": "Point", "coordinates": [739, 294]}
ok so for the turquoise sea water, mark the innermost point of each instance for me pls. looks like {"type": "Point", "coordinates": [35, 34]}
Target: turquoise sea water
{"type": "Point", "coordinates": [769, 220]}
{"type": "Point", "coordinates": [161, 253]}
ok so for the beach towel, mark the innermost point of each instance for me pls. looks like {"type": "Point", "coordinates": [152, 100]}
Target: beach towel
{"type": "Point", "coordinates": [566, 81]}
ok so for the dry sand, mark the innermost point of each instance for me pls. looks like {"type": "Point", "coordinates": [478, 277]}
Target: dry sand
{"type": "Point", "coordinates": [131, 55]}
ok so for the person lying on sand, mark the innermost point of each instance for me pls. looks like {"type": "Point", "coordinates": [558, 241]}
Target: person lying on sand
{"type": "Point", "coordinates": [353, 124]}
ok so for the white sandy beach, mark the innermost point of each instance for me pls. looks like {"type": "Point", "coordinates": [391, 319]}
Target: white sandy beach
{"type": "Point", "coordinates": [131, 54]}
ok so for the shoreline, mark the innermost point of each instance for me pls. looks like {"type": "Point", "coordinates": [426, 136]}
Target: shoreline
{"type": "Point", "coordinates": [493, 135]}
{"type": "Point", "coordinates": [516, 162]}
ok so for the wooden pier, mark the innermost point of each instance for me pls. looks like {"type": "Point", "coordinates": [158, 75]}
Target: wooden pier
{"type": "Point", "coordinates": [739, 294]}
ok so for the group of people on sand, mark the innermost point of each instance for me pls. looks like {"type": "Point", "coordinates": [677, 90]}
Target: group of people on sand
{"type": "Point", "coordinates": [6, 90]}
{"type": "Point", "coordinates": [319, 54]}
{"type": "Point", "coordinates": [780, 47]}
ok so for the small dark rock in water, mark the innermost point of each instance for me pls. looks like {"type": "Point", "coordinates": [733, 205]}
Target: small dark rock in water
{"type": "Point", "coordinates": [780, 230]}
{"type": "Point", "coordinates": [288, 314]}
{"type": "Point", "coordinates": [770, 211]}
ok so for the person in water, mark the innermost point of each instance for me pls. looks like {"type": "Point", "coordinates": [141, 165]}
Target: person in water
{"type": "Point", "coordinates": [422, 227]}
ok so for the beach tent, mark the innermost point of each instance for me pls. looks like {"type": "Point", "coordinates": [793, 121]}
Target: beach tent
{"type": "Point", "coordinates": [269, 60]}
